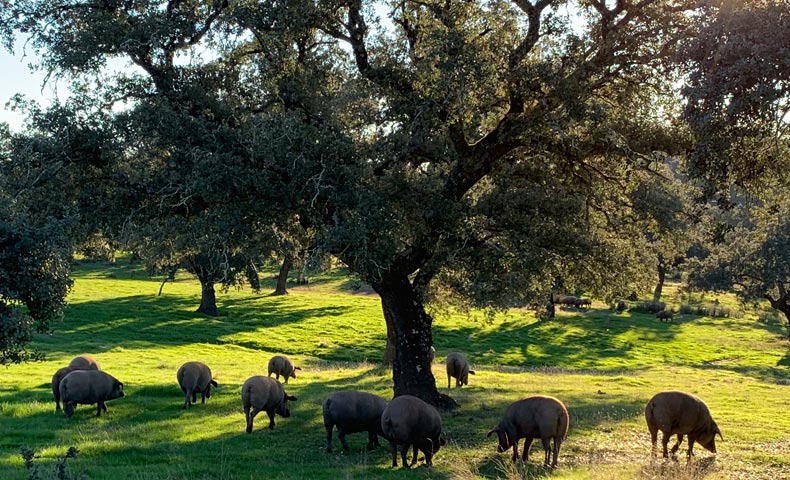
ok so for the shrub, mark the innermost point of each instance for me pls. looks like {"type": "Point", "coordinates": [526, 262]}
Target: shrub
{"type": "Point", "coordinates": [59, 472]}
{"type": "Point", "coordinates": [707, 311]}
{"type": "Point", "coordinates": [650, 306]}
{"type": "Point", "coordinates": [770, 317]}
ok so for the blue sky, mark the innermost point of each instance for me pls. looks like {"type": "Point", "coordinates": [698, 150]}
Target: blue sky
{"type": "Point", "coordinates": [16, 77]}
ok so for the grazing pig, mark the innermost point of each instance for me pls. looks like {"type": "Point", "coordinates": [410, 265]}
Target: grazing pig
{"type": "Point", "coordinates": [568, 300]}
{"type": "Point", "coordinates": [458, 368]}
{"type": "Point", "coordinates": [84, 362]}
{"type": "Point", "coordinates": [264, 394]}
{"type": "Point", "coordinates": [665, 315]}
{"type": "Point", "coordinates": [282, 365]}
{"type": "Point", "coordinates": [194, 378]}
{"type": "Point", "coordinates": [408, 421]}
{"type": "Point", "coordinates": [87, 387]}
{"type": "Point", "coordinates": [678, 413]}
{"type": "Point", "coordinates": [540, 417]}
{"type": "Point", "coordinates": [353, 412]}
{"type": "Point", "coordinates": [60, 375]}
{"type": "Point", "coordinates": [583, 302]}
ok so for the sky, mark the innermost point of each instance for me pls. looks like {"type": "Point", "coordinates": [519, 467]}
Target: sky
{"type": "Point", "coordinates": [16, 77]}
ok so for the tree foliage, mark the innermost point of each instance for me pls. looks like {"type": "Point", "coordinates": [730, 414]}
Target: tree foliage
{"type": "Point", "coordinates": [738, 93]}
{"type": "Point", "coordinates": [34, 281]}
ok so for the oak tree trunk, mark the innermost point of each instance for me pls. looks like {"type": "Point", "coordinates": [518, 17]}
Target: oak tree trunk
{"type": "Point", "coordinates": [411, 326]}
{"type": "Point", "coordinates": [208, 299]}
{"type": "Point", "coordinates": [282, 277]}
{"type": "Point", "coordinates": [389, 351]}
{"type": "Point", "coordinates": [786, 311]}
{"type": "Point", "coordinates": [662, 273]}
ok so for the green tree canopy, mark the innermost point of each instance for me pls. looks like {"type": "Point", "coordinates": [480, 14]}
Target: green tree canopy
{"type": "Point", "coordinates": [738, 93]}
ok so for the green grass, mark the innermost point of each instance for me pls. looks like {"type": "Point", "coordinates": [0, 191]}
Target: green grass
{"type": "Point", "coordinates": [604, 366]}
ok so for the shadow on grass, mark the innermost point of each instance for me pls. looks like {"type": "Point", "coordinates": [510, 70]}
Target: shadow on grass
{"type": "Point", "coordinates": [146, 320]}
{"type": "Point", "coordinates": [580, 341]}
{"type": "Point", "coordinates": [770, 374]}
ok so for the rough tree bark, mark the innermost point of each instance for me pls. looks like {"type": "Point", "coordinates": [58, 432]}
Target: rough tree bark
{"type": "Point", "coordinates": [782, 303]}
{"type": "Point", "coordinates": [411, 325]}
{"type": "Point", "coordinates": [662, 273]}
{"type": "Point", "coordinates": [208, 299]}
{"type": "Point", "coordinates": [282, 277]}
{"type": "Point", "coordinates": [389, 351]}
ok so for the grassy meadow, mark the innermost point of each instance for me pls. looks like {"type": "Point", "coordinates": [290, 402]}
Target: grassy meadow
{"type": "Point", "coordinates": [604, 366]}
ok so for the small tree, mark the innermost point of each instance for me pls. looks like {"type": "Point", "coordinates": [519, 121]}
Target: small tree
{"type": "Point", "coordinates": [34, 281]}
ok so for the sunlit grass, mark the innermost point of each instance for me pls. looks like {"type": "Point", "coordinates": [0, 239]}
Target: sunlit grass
{"type": "Point", "coordinates": [603, 365]}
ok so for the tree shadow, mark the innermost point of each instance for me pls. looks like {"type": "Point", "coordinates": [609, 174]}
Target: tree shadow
{"type": "Point", "coordinates": [581, 341]}
{"type": "Point", "coordinates": [143, 320]}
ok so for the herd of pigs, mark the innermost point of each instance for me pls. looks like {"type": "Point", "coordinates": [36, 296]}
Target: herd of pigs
{"type": "Point", "coordinates": [405, 421]}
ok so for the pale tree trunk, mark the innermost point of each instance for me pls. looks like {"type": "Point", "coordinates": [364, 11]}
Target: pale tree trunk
{"type": "Point", "coordinates": [411, 325]}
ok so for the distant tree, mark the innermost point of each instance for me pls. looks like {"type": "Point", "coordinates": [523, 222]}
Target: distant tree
{"type": "Point", "coordinates": [664, 203]}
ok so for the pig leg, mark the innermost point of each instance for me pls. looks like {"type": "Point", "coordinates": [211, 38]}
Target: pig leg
{"type": "Point", "coordinates": [341, 434]}
{"type": "Point", "coordinates": [690, 452]}
{"type": "Point", "coordinates": [677, 444]}
{"type": "Point", "coordinates": [404, 453]}
{"type": "Point", "coordinates": [515, 450]}
{"type": "Point", "coordinates": [394, 450]}
{"type": "Point", "coordinates": [250, 416]}
{"type": "Point", "coordinates": [546, 450]}
{"type": "Point", "coordinates": [270, 413]}
{"type": "Point", "coordinates": [556, 451]}
{"type": "Point", "coordinates": [373, 439]}
{"type": "Point", "coordinates": [329, 428]}
{"type": "Point", "coordinates": [527, 446]}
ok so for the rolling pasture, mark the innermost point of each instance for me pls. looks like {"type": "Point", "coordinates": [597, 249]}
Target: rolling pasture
{"type": "Point", "coordinates": [604, 366]}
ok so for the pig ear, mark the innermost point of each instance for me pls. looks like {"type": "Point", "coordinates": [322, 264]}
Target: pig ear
{"type": "Point", "coordinates": [471, 372]}
{"type": "Point", "coordinates": [290, 398]}
{"type": "Point", "coordinates": [492, 431]}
